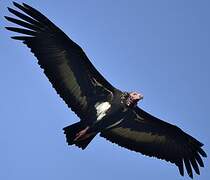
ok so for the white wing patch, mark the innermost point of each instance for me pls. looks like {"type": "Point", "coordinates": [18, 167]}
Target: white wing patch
{"type": "Point", "coordinates": [101, 109]}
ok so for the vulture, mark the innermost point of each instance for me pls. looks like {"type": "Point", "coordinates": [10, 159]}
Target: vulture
{"type": "Point", "coordinates": [101, 108]}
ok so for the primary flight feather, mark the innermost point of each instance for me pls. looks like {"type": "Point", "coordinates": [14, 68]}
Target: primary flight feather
{"type": "Point", "coordinates": [101, 107]}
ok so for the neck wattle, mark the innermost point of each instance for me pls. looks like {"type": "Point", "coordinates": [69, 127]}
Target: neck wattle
{"type": "Point", "coordinates": [130, 102]}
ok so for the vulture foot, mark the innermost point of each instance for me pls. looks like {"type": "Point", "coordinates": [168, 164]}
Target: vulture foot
{"type": "Point", "coordinates": [82, 134]}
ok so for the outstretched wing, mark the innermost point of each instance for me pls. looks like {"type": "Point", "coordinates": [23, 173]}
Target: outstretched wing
{"type": "Point", "coordinates": [65, 64]}
{"type": "Point", "coordinates": [150, 136]}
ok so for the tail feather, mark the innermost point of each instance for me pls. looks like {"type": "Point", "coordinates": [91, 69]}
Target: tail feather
{"type": "Point", "coordinates": [84, 143]}
{"type": "Point", "coordinates": [71, 132]}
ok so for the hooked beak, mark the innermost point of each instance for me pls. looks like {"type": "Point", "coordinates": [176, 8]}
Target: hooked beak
{"type": "Point", "coordinates": [141, 97]}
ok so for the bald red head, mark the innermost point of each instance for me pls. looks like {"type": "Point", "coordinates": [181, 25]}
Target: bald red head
{"type": "Point", "coordinates": [134, 97]}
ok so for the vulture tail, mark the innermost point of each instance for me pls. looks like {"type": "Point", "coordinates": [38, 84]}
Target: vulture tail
{"type": "Point", "coordinates": [71, 132]}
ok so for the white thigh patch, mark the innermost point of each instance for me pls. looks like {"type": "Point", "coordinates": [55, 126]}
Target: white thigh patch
{"type": "Point", "coordinates": [101, 109]}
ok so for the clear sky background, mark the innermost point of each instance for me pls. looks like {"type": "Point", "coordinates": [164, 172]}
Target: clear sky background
{"type": "Point", "coordinates": [160, 48]}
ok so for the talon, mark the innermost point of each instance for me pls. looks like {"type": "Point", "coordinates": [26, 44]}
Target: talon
{"type": "Point", "coordinates": [82, 134]}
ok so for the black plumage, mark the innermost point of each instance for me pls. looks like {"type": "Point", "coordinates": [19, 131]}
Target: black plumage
{"type": "Point", "coordinates": [87, 93]}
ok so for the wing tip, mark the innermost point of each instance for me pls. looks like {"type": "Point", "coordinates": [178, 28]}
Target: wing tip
{"type": "Point", "coordinates": [8, 28]}
{"type": "Point", "coordinates": [16, 4]}
{"type": "Point", "coordinates": [180, 167]}
{"type": "Point", "coordinates": [18, 38]}
{"type": "Point", "coordinates": [7, 18]}
{"type": "Point", "coordinates": [202, 153]}
{"type": "Point", "coordinates": [10, 9]}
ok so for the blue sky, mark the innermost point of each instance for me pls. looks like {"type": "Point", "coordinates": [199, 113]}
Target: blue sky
{"type": "Point", "coordinates": [160, 48]}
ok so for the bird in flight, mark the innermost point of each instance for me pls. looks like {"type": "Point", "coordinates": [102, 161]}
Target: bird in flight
{"type": "Point", "coordinates": [101, 107]}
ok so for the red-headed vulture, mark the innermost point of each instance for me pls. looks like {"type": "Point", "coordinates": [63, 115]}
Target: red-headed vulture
{"type": "Point", "coordinates": [102, 108]}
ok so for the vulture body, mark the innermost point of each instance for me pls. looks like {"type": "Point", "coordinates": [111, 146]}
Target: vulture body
{"type": "Point", "coordinates": [101, 107]}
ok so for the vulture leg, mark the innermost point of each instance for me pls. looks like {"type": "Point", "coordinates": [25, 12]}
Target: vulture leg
{"type": "Point", "coordinates": [81, 135]}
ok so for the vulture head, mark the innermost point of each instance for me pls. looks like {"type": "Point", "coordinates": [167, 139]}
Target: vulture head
{"type": "Point", "coordinates": [133, 98]}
